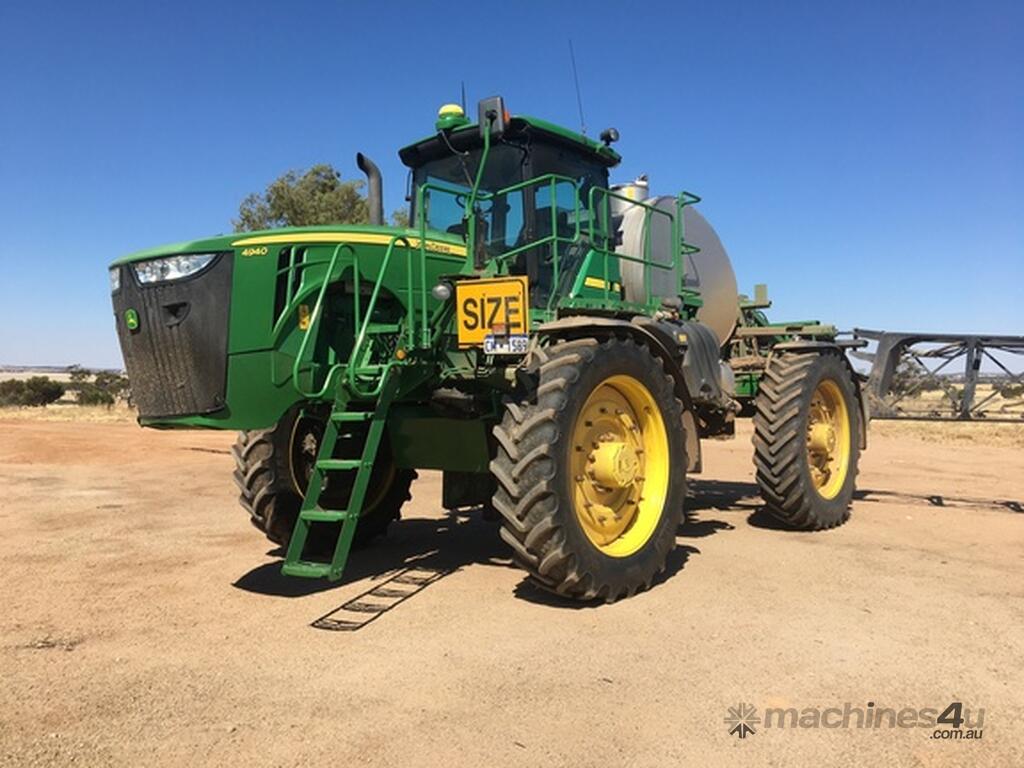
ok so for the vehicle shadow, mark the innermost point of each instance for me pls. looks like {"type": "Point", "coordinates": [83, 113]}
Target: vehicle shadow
{"type": "Point", "coordinates": [879, 495]}
{"type": "Point", "coordinates": [729, 496]}
{"type": "Point", "coordinates": [530, 591]}
{"type": "Point", "coordinates": [461, 538]}
{"type": "Point", "coordinates": [702, 495]}
{"type": "Point", "coordinates": [444, 544]}
{"type": "Point", "coordinates": [724, 495]}
{"type": "Point", "coordinates": [745, 497]}
{"type": "Point", "coordinates": [450, 543]}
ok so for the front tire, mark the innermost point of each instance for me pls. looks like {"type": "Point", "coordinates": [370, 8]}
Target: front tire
{"type": "Point", "coordinates": [590, 470]}
{"type": "Point", "coordinates": [806, 440]}
{"type": "Point", "coordinates": [272, 469]}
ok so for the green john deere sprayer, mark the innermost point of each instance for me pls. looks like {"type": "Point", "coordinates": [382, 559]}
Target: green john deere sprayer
{"type": "Point", "coordinates": [557, 346]}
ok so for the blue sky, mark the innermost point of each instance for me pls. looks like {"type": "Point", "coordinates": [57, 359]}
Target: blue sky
{"type": "Point", "coordinates": [866, 159]}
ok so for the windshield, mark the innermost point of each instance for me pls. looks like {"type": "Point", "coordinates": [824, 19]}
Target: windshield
{"type": "Point", "coordinates": [451, 179]}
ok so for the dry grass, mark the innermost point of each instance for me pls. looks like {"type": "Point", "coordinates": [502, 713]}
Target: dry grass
{"type": "Point", "coordinates": [62, 376]}
{"type": "Point", "coordinates": [976, 433]}
{"type": "Point", "coordinates": [70, 412]}
{"type": "Point", "coordinates": [985, 397]}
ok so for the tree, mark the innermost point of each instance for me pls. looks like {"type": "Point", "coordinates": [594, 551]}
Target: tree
{"type": "Point", "coordinates": [114, 384]}
{"type": "Point", "coordinates": [79, 375]}
{"type": "Point", "coordinates": [908, 377]}
{"type": "Point", "coordinates": [302, 199]}
{"type": "Point", "coordinates": [400, 218]}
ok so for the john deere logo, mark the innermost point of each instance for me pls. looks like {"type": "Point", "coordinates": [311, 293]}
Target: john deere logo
{"type": "Point", "coordinates": [742, 719]}
{"type": "Point", "coordinates": [131, 319]}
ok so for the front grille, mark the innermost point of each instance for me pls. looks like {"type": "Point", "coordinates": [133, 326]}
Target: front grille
{"type": "Point", "coordinates": [177, 356]}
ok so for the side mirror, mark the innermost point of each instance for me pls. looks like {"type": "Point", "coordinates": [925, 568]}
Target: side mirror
{"type": "Point", "coordinates": [492, 116]}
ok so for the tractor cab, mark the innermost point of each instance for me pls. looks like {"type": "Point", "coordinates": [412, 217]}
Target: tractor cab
{"type": "Point", "coordinates": [521, 194]}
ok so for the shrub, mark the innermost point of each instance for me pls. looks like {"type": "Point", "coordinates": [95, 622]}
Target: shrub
{"type": "Point", "coordinates": [105, 387]}
{"type": "Point", "coordinates": [114, 384]}
{"type": "Point", "coordinates": [90, 394]}
{"type": "Point", "coordinates": [38, 390]}
{"type": "Point", "coordinates": [12, 392]}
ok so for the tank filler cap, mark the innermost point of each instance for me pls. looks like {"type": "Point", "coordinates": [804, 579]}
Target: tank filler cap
{"type": "Point", "coordinates": [450, 116]}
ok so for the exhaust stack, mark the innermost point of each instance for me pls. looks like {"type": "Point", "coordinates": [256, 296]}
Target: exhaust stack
{"type": "Point", "coordinates": [374, 188]}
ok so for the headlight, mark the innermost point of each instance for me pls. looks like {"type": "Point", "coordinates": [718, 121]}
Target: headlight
{"type": "Point", "coordinates": [172, 268]}
{"type": "Point", "coordinates": [115, 279]}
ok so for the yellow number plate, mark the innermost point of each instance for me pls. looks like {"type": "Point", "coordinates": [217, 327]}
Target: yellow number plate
{"type": "Point", "coordinates": [491, 307]}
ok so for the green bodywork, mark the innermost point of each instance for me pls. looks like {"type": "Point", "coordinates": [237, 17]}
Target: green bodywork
{"type": "Point", "coordinates": [267, 346]}
{"type": "Point", "coordinates": [354, 319]}
{"type": "Point", "coordinates": [609, 155]}
{"type": "Point", "coordinates": [755, 337]}
{"type": "Point", "coordinates": [327, 334]}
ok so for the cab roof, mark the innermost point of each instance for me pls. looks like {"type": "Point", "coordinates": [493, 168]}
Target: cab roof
{"type": "Point", "coordinates": [467, 137]}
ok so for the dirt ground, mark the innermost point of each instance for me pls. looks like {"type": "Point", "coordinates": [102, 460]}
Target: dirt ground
{"type": "Point", "coordinates": [144, 622]}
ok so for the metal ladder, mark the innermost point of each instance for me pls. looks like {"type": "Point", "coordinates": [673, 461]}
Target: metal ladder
{"type": "Point", "coordinates": [361, 380]}
{"type": "Point", "coordinates": [295, 564]}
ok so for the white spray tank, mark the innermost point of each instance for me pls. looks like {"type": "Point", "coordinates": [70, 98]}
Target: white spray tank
{"type": "Point", "coordinates": [708, 271]}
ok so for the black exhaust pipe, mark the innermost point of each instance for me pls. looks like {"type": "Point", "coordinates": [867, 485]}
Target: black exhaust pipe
{"type": "Point", "coordinates": [374, 188]}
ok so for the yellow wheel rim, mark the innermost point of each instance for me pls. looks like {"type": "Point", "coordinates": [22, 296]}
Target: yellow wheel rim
{"type": "Point", "coordinates": [828, 439]}
{"type": "Point", "coordinates": [619, 458]}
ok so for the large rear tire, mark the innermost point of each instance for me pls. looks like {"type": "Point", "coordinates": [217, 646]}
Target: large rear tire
{"type": "Point", "coordinates": [806, 439]}
{"type": "Point", "coordinates": [590, 470]}
{"type": "Point", "coordinates": [272, 469]}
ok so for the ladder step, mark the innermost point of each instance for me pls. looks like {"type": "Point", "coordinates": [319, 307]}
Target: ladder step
{"type": "Point", "coordinates": [382, 328]}
{"type": "Point", "coordinates": [325, 515]}
{"type": "Point", "coordinates": [351, 415]}
{"type": "Point", "coordinates": [338, 464]}
{"type": "Point", "coordinates": [306, 569]}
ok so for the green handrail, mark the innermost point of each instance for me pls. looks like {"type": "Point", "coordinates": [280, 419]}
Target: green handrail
{"type": "Point", "coordinates": [685, 249]}
{"type": "Point", "coordinates": [598, 228]}
{"type": "Point", "coordinates": [645, 259]}
{"type": "Point", "coordinates": [314, 322]}
{"type": "Point", "coordinates": [353, 368]}
{"type": "Point", "coordinates": [551, 179]}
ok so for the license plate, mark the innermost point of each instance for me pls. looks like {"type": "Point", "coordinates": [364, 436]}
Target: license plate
{"type": "Point", "coordinates": [506, 345]}
{"type": "Point", "coordinates": [496, 307]}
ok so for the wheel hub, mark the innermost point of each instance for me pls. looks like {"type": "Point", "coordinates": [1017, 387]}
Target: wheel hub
{"type": "Point", "coordinates": [822, 439]}
{"type": "Point", "coordinates": [615, 464]}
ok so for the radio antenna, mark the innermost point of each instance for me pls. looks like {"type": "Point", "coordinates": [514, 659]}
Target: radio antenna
{"type": "Point", "coordinates": [463, 97]}
{"type": "Point", "coordinates": [576, 82]}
